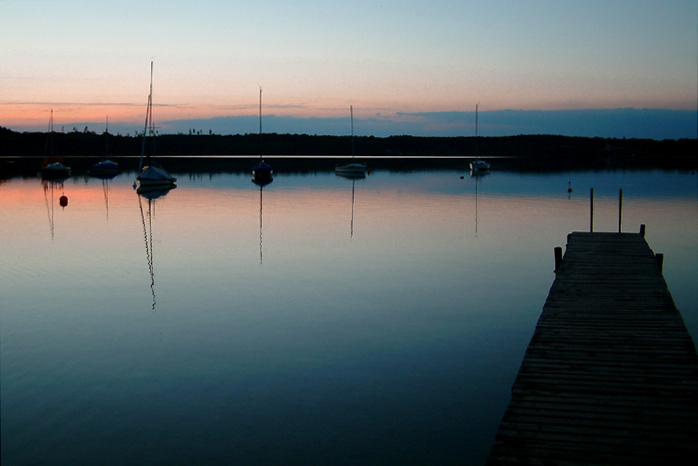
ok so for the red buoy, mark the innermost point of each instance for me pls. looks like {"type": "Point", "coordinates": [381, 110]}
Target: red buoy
{"type": "Point", "coordinates": [63, 200]}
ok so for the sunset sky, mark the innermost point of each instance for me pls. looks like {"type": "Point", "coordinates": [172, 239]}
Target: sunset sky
{"type": "Point", "coordinates": [407, 66]}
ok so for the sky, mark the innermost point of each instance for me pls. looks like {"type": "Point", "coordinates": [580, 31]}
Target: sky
{"type": "Point", "coordinates": [610, 68]}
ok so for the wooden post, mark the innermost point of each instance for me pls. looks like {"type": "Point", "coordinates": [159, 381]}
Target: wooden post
{"type": "Point", "coordinates": [620, 211]}
{"type": "Point", "coordinates": [591, 208]}
{"type": "Point", "coordinates": [642, 230]}
{"type": "Point", "coordinates": [660, 260]}
{"type": "Point", "coordinates": [558, 258]}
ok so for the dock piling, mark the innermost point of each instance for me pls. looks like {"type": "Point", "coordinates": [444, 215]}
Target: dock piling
{"type": "Point", "coordinates": [558, 258]}
{"type": "Point", "coordinates": [591, 210]}
{"type": "Point", "coordinates": [620, 211]}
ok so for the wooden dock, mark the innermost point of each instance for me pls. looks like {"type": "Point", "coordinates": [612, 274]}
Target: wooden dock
{"type": "Point", "coordinates": [611, 374]}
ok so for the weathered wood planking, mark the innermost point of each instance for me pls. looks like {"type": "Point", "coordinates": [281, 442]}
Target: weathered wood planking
{"type": "Point", "coordinates": [611, 374]}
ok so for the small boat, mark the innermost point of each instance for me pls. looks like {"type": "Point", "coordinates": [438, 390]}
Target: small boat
{"type": "Point", "coordinates": [151, 176]}
{"type": "Point", "coordinates": [155, 176]}
{"type": "Point", "coordinates": [105, 167]}
{"type": "Point", "coordinates": [54, 170]}
{"type": "Point", "coordinates": [262, 173]}
{"type": "Point", "coordinates": [479, 165]}
{"type": "Point", "coordinates": [353, 168]}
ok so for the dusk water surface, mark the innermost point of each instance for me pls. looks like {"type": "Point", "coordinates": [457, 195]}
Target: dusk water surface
{"type": "Point", "coordinates": [321, 321]}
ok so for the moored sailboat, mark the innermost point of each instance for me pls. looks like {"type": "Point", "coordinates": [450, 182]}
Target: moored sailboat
{"type": "Point", "coordinates": [151, 177]}
{"type": "Point", "coordinates": [262, 173]}
{"type": "Point", "coordinates": [353, 169]}
{"type": "Point", "coordinates": [52, 170]}
{"type": "Point", "coordinates": [105, 168]}
{"type": "Point", "coordinates": [478, 165]}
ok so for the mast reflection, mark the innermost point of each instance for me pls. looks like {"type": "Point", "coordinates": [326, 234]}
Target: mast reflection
{"type": "Point", "coordinates": [150, 195]}
{"type": "Point", "coordinates": [105, 178]}
{"type": "Point", "coordinates": [50, 186]}
{"type": "Point", "coordinates": [261, 183]}
{"type": "Point", "coordinates": [477, 174]}
{"type": "Point", "coordinates": [353, 177]}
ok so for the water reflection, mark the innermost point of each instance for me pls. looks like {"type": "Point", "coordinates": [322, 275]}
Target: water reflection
{"type": "Point", "coordinates": [50, 188]}
{"type": "Point", "coordinates": [477, 175]}
{"type": "Point", "coordinates": [105, 178]}
{"type": "Point", "coordinates": [261, 181]}
{"type": "Point", "coordinates": [150, 194]}
{"type": "Point", "coordinates": [360, 175]}
{"type": "Point", "coordinates": [348, 356]}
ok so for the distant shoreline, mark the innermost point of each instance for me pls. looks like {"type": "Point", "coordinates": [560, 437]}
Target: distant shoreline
{"type": "Point", "coordinates": [524, 152]}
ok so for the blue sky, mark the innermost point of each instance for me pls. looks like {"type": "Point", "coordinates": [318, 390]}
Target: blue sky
{"type": "Point", "coordinates": [407, 67]}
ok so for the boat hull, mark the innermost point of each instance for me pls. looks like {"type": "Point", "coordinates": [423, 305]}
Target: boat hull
{"type": "Point", "coordinates": [55, 170]}
{"type": "Point", "coordinates": [262, 173]}
{"type": "Point", "coordinates": [353, 169]}
{"type": "Point", "coordinates": [479, 166]}
{"type": "Point", "coordinates": [154, 176]}
{"type": "Point", "coordinates": [106, 167]}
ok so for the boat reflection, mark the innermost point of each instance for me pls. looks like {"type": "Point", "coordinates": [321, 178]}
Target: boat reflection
{"type": "Point", "coordinates": [105, 178]}
{"type": "Point", "coordinates": [150, 194]}
{"type": "Point", "coordinates": [353, 177]}
{"type": "Point", "coordinates": [50, 188]}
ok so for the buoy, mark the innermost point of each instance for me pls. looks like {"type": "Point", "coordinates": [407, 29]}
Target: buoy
{"type": "Point", "coordinates": [569, 186]}
{"type": "Point", "coordinates": [63, 200]}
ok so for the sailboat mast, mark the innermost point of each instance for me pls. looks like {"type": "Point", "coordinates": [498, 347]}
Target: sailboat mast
{"type": "Point", "coordinates": [351, 111]}
{"type": "Point", "coordinates": [49, 139]}
{"type": "Point", "coordinates": [106, 139]}
{"type": "Point", "coordinates": [260, 123]}
{"type": "Point", "coordinates": [148, 120]}
{"type": "Point", "coordinates": [476, 130]}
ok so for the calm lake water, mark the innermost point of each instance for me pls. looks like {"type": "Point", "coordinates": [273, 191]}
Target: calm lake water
{"type": "Point", "coordinates": [321, 321]}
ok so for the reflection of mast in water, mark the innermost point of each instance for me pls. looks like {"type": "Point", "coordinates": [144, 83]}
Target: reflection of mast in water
{"type": "Point", "coordinates": [477, 175]}
{"type": "Point", "coordinates": [351, 229]}
{"type": "Point", "coordinates": [105, 190]}
{"type": "Point", "coordinates": [151, 195]}
{"type": "Point", "coordinates": [148, 238]}
{"type": "Point", "coordinates": [49, 186]}
{"type": "Point", "coordinates": [261, 183]}
{"type": "Point", "coordinates": [353, 178]}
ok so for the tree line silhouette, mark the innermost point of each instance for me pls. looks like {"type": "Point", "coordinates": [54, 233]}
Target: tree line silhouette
{"type": "Point", "coordinates": [536, 152]}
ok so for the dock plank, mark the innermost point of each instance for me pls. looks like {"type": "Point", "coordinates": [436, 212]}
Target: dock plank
{"type": "Point", "coordinates": [611, 373]}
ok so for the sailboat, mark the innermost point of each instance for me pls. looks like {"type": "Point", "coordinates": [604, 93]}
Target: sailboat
{"type": "Point", "coordinates": [478, 165]}
{"type": "Point", "coordinates": [105, 168]}
{"type": "Point", "coordinates": [151, 177]}
{"type": "Point", "coordinates": [262, 173]}
{"type": "Point", "coordinates": [353, 169]}
{"type": "Point", "coordinates": [54, 170]}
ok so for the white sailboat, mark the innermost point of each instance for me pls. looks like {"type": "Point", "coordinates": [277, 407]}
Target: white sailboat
{"type": "Point", "coordinates": [478, 165]}
{"type": "Point", "coordinates": [151, 177]}
{"type": "Point", "coordinates": [353, 169]}
{"type": "Point", "coordinates": [262, 173]}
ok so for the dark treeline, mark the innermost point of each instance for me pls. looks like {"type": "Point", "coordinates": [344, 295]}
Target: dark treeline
{"type": "Point", "coordinates": [535, 152]}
